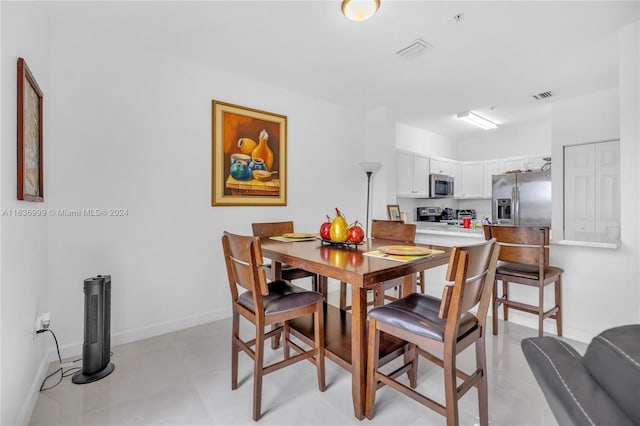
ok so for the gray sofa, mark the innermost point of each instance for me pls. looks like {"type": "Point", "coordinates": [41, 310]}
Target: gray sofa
{"type": "Point", "coordinates": [600, 388]}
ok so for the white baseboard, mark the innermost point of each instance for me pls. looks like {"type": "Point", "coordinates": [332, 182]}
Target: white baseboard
{"type": "Point", "coordinates": [119, 338]}
{"type": "Point", "coordinates": [127, 336]}
{"type": "Point", "coordinates": [34, 389]}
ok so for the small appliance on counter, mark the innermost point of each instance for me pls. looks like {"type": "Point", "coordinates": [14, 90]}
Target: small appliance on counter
{"type": "Point", "coordinates": [465, 213]}
{"type": "Point", "coordinates": [448, 214]}
{"type": "Point", "coordinates": [429, 214]}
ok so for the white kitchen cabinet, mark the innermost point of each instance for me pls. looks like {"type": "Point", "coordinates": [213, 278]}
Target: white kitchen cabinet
{"type": "Point", "coordinates": [458, 181]}
{"type": "Point", "coordinates": [440, 166]}
{"type": "Point", "coordinates": [490, 168]}
{"type": "Point", "coordinates": [472, 179]}
{"type": "Point", "coordinates": [412, 175]}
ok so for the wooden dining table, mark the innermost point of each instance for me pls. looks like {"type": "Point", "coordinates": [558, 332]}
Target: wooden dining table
{"type": "Point", "coordinates": [345, 332]}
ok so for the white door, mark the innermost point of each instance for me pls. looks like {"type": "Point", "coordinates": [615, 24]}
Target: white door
{"type": "Point", "coordinates": [579, 192]}
{"type": "Point", "coordinates": [607, 193]}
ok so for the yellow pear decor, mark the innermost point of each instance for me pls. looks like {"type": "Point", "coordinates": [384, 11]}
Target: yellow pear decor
{"type": "Point", "coordinates": [339, 228]}
{"type": "Point", "coordinates": [263, 151]}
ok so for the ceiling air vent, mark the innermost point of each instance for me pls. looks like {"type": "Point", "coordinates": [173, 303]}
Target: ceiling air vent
{"type": "Point", "coordinates": [413, 48]}
{"type": "Point", "coordinates": [543, 95]}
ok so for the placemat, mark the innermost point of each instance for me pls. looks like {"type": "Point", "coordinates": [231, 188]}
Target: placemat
{"type": "Point", "coordinates": [399, 258]}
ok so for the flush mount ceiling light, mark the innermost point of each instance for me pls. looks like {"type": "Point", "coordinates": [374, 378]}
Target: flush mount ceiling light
{"type": "Point", "coordinates": [477, 120]}
{"type": "Point", "coordinates": [360, 10]}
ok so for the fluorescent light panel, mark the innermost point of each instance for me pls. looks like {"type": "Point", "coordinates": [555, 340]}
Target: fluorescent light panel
{"type": "Point", "coordinates": [477, 120]}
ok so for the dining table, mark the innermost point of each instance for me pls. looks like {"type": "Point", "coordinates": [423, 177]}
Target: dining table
{"type": "Point", "coordinates": [355, 264]}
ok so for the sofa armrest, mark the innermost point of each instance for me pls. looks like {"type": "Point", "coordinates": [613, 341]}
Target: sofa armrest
{"type": "Point", "coordinates": [572, 393]}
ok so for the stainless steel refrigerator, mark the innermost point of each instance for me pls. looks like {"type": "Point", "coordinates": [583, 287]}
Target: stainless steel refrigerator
{"type": "Point", "coordinates": [522, 199]}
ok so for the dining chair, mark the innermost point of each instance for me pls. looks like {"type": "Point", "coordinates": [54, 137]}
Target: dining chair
{"type": "Point", "coordinates": [264, 304]}
{"type": "Point", "coordinates": [524, 259]}
{"type": "Point", "coordinates": [274, 229]}
{"type": "Point", "coordinates": [387, 230]}
{"type": "Point", "coordinates": [438, 330]}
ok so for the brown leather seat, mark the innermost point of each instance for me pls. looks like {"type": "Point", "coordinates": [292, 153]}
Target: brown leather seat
{"type": "Point", "coordinates": [444, 327]}
{"type": "Point", "coordinates": [387, 230]}
{"type": "Point", "coordinates": [268, 304]}
{"type": "Point", "coordinates": [524, 259]}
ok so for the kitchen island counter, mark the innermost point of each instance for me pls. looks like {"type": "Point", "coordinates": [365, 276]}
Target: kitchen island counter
{"type": "Point", "coordinates": [437, 228]}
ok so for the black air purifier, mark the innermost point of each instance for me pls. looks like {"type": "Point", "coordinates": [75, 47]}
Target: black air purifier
{"type": "Point", "coordinates": [96, 350]}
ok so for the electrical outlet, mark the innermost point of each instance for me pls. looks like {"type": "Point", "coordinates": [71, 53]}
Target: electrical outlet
{"type": "Point", "coordinates": [41, 323]}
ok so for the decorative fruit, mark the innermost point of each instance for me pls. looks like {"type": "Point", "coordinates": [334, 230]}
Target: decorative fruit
{"type": "Point", "coordinates": [355, 233]}
{"type": "Point", "coordinates": [325, 229]}
{"type": "Point", "coordinates": [339, 228]}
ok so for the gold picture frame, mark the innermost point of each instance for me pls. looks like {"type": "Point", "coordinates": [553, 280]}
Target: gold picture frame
{"type": "Point", "coordinates": [30, 177]}
{"type": "Point", "coordinates": [249, 156]}
{"type": "Point", "coordinates": [393, 212]}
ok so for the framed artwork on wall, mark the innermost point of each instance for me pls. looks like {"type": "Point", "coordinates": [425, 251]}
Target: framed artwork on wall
{"type": "Point", "coordinates": [249, 150]}
{"type": "Point", "coordinates": [30, 178]}
{"type": "Point", "coordinates": [393, 212]}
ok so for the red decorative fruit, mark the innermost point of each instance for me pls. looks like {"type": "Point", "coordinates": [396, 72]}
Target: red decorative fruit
{"type": "Point", "coordinates": [355, 233]}
{"type": "Point", "coordinates": [325, 230]}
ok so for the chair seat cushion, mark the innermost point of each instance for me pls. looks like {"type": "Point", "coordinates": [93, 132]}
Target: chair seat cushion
{"type": "Point", "coordinates": [526, 271]}
{"type": "Point", "coordinates": [283, 296]}
{"type": "Point", "coordinates": [418, 314]}
{"type": "Point", "coordinates": [613, 359]}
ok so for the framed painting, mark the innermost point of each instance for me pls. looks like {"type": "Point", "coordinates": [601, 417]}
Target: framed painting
{"type": "Point", "coordinates": [30, 178]}
{"type": "Point", "coordinates": [393, 212]}
{"type": "Point", "coordinates": [249, 150]}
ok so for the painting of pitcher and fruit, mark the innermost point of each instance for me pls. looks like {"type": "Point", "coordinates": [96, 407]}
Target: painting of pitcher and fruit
{"type": "Point", "coordinates": [249, 156]}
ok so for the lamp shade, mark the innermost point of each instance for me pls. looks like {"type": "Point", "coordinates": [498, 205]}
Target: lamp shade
{"type": "Point", "coordinates": [360, 10]}
{"type": "Point", "coordinates": [370, 166]}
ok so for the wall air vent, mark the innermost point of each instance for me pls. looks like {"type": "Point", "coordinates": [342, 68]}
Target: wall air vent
{"type": "Point", "coordinates": [543, 95]}
{"type": "Point", "coordinates": [413, 48]}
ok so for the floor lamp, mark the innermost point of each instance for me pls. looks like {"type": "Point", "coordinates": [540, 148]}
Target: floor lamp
{"type": "Point", "coordinates": [369, 168]}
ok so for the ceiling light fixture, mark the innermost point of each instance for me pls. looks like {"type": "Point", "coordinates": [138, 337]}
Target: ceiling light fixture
{"type": "Point", "coordinates": [360, 10]}
{"type": "Point", "coordinates": [477, 120]}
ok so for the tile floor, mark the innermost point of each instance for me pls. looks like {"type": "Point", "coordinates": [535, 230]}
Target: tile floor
{"type": "Point", "coordinates": [183, 378]}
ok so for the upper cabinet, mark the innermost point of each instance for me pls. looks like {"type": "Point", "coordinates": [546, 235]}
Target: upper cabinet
{"type": "Point", "coordinates": [440, 166]}
{"type": "Point", "coordinates": [412, 175]}
{"type": "Point", "coordinates": [458, 181]}
{"type": "Point", "coordinates": [472, 180]}
{"type": "Point", "coordinates": [490, 168]}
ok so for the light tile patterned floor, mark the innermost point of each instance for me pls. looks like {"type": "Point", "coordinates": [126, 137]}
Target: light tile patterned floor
{"type": "Point", "coordinates": [183, 378]}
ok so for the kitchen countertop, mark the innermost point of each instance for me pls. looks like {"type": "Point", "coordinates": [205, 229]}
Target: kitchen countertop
{"type": "Point", "coordinates": [439, 228]}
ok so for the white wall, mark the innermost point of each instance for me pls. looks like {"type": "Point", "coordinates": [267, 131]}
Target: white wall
{"type": "Point", "coordinates": [23, 250]}
{"type": "Point", "coordinates": [132, 130]}
{"type": "Point", "coordinates": [505, 142]}
{"type": "Point", "coordinates": [424, 142]}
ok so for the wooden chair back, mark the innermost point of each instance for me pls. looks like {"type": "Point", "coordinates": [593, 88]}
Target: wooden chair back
{"type": "Point", "coordinates": [472, 269]}
{"type": "Point", "coordinates": [271, 229]}
{"type": "Point", "coordinates": [521, 244]}
{"type": "Point", "coordinates": [393, 230]}
{"type": "Point", "coordinates": [243, 257]}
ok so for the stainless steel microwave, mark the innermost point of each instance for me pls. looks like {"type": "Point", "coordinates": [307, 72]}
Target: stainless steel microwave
{"type": "Point", "coordinates": [440, 186]}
